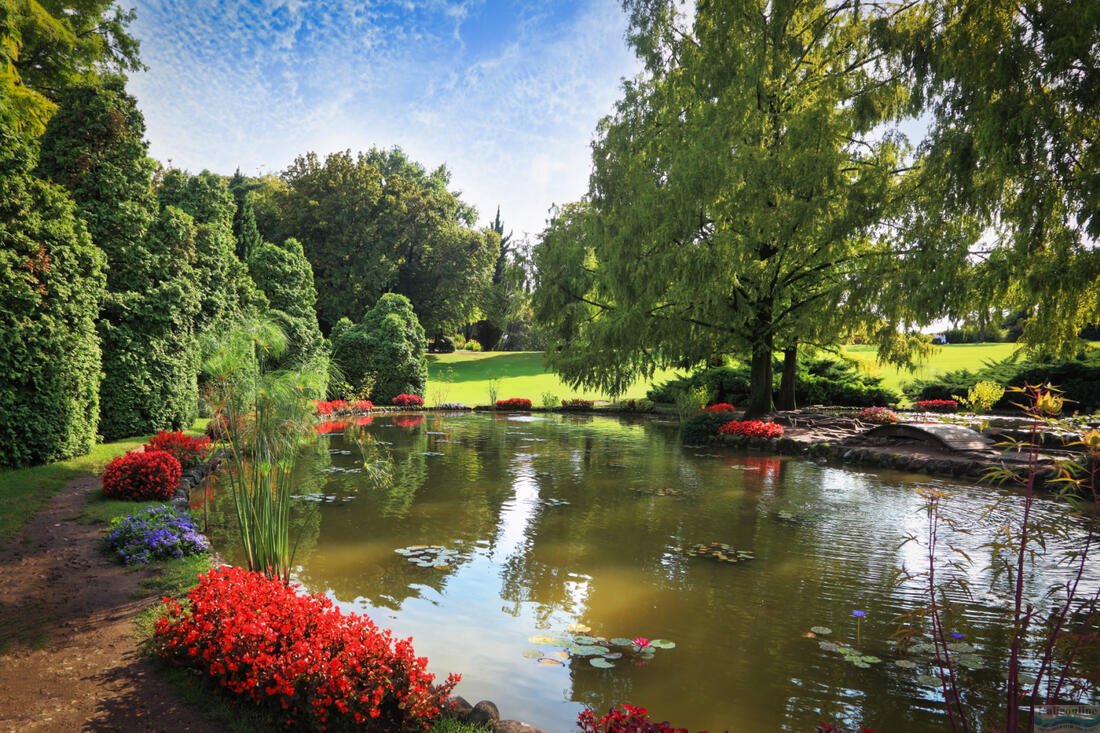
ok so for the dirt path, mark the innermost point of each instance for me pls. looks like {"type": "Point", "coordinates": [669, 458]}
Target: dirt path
{"type": "Point", "coordinates": [66, 615]}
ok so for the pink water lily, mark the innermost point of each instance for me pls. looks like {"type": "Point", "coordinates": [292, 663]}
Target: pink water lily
{"type": "Point", "coordinates": [641, 641]}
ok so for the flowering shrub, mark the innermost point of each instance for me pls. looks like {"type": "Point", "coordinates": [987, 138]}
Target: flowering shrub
{"type": "Point", "coordinates": [623, 719]}
{"type": "Point", "coordinates": [154, 533]}
{"type": "Point", "coordinates": [573, 404]}
{"type": "Point", "coordinates": [363, 405]}
{"type": "Point", "coordinates": [299, 656]}
{"type": "Point", "coordinates": [752, 428]}
{"type": "Point", "coordinates": [515, 403]}
{"type": "Point", "coordinates": [721, 407]}
{"type": "Point", "coordinates": [142, 476]}
{"type": "Point", "coordinates": [937, 405]}
{"type": "Point", "coordinates": [330, 407]}
{"type": "Point", "coordinates": [877, 415]}
{"type": "Point", "coordinates": [408, 400]}
{"type": "Point", "coordinates": [189, 450]}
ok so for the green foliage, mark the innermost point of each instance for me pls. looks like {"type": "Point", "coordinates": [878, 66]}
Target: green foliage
{"type": "Point", "coordinates": [691, 400]}
{"type": "Point", "coordinates": [697, 428]}
{"type": "Point", "coordinates": [47, 47]}
{"type": "Point", "coordinates": [982, 396]}
{"type": "Point", "coordinates": [736, 199]}
{"type": "Point", "coordinates": [244, 218]}
{"type": "Point", "coordinates": [225, 289]}
{"type": "Point", "coordinates": [285, 277]}
{"type": "Point", "coordinates": [819, 382]}
{"type": "Point", "coordinates": [51, 284]}
{"type": "Point", "coordinates": [379, 223]}
{"type": "Point", "coordinates": [389, 345]}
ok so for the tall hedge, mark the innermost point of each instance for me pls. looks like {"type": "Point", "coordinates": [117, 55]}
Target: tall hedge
{"type": "Point", "coordinates": [389, 345]}
{"type": "Point", "coordinates": [51, 284]}
{"type": "Point", "coordinates": [284, 275]}
{"type": "Point", "coordinates": [94, 146]}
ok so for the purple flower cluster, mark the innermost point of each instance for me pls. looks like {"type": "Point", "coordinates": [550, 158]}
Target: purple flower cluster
{"type": "Point", "coordinates": [155, 533]}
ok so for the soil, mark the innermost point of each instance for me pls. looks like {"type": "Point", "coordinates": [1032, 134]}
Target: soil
{"type": "Point", "coordinates": [67, 615]}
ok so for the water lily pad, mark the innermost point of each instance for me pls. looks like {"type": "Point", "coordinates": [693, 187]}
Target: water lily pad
{"type": "Point", "coordinates": [906, 664]}
{"type": "Point", "coordinates": [927, 679]}
{"type": "Point", "coordinates": [821, 630]}
{"type": "Point", "coordinates": [551, 662]}
{"type": "Point", "coordinates": [662, 644]}
{"type": "Point", "coordinates": [861, 665]}
{"type": "Point", "coordinates": [579, 650]}
{"type": "Point", "coordinates": [560, 655]}
{"type": "Point", "coordinates": [961, 647]}
{"type": "Point", "coordinates": [583, 639]}
{"type": "Point", "coordinates": [562, 641]}
{"type": "Point", "coordinates": [532, 654]}
{"type": "Point", "coordinates": [579, 628]}
{"type": "Point", "coordinates": [828, 646]}
{"type": "Point", "coordinates": [870, 660]}
{"type": "Point", "coordinates": [600, 663]}
{"type": "Point", "coordinates": [970, 661]}
{"type": "Point", "coordinates": [620, 641]}
{"type": "Point", "coordinates": [542, 640]}
{"type": "Point", "coordinates": [613, 655]}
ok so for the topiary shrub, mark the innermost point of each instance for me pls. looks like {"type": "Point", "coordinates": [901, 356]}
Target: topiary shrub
{"type": "Point", "coordinates": [389, 345]}
{"type": "Point", "coordinates": [137, 476]}
{"type": "Point", "coordinates": [51, 286]}
{"type": "Point", "coordinates": [299, 657]}
{"type": "Point", "coordinates": [698, 428]}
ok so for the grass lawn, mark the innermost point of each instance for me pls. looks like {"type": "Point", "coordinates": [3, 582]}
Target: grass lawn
{"type": "Point", "coordinates": [947, 358]}
{"type": "Point", "coordinates": [521, 374]}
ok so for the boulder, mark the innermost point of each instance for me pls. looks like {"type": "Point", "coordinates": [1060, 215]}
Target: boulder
{"type": "Point", "coordinates": [514, 726]}
{"type": "Point", "coordinates": [484, 711]}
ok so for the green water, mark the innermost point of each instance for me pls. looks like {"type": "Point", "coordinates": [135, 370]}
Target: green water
{"type": "Point", "coordinates": [557, 520]}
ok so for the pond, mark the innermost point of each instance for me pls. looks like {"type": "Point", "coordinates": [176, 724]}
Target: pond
{"type": "Point", "coordinates": [549, 521]}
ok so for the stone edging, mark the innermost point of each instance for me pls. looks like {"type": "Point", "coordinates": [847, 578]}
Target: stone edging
{"type": "Point", "coordinates": [485, 712]}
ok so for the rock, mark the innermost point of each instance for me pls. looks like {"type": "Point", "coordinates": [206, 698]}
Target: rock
{"type": "Point", "coordinates": [460, 707]}
{"type": "Point", "coordinates": [484, 712]}
{"type": "Point", "coordinates": [180, 504]}
{"type": "Point", "coordinates": [514, 726]}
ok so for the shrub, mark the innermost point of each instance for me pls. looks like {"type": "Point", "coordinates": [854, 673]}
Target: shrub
{"type": "Point", "coordinates": [698, 428]}
{"type": "Point", "coordinates": [515, 403]}
{"type": "Point", "coordinates": [330, 407]}
{"type": "Point", "coordinates": [722, 407]}
{"type": "Point", "coordinates": [154, 533]}
{"type": "Point", "coordinates": [576, 404]}
{"type": "Point", "coordinates": [472, 345]}
{"type": "Point", "coordinates": [189, 450]}
{"type": "Point", "coordinates": [752, 429]}
{"type": "Point", "coordinates": [365, 405]}
{"type": "Point", "coordinates": [300, 657]}
{"type": "Point", "coordinates": [982, 396]}
{"type": "Point", "coordinates": [408, 400]}
{"type": "Point", "coordinates": [549, 399]}
{"type": "Point", "coordinates": [152, 475]}
{"type": "Point", "coordinates": [623, 719]}
{"type": "Point", "coordinates": [877, 415]}
{"type": "Point", "coordinates": [389, 344]}
{"type": "Point", "coordinates": [936, 405]}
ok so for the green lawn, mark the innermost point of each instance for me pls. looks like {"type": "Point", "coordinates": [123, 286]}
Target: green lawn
{"type": "Point", "coordinates": [947, 358]}
{"type": "Point", "coordinates": [521, 374]}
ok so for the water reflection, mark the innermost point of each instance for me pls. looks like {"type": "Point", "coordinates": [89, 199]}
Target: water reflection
{"type": "Point", "coordinates": [575, 518]}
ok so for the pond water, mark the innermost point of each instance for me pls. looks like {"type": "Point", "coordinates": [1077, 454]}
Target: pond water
{"type": "Point", "coordinates": [569, 519]}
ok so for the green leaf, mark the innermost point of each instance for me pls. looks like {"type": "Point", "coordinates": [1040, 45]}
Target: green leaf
{"type": "Point", "coordinates": [620, 641]}
{"type": "Point", "coordinates": [906, 664]}
{"type": "Point", "coordinates": [579, 650]}
{"type": "Point", "coordinates": [663, 644]}
{"type": "Point", "coordinates": [600, 663]}
{"type": "Point", "coordinates": [821, 630]}
{"type": "Point", "coordinates": [542, 640]}
{"type": "Point", "coordinates": [584, 639]}
{"type": "Point", "coordinates": [532, 654]}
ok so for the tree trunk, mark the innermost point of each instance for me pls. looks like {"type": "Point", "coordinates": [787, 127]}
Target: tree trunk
{"type": "Point", "coordinates": [760, 380]}
{"type": "Point", "coordinates": [787, 380]}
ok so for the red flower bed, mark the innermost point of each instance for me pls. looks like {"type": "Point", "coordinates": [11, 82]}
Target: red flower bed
{"type": "Point", "coordinates": [330, 407]}
{"type": "Point", "coordinates": [136, 476]}
{"type": "Point", "coordinates": [574, 404]}
{"type": "Point", "coordinates": [408, 400]}
{"type": "Point", "coordinates": [721, 407]}
{"type": "Point", "coordinates": [623, 719]}
{"type": "Point", "coordinates": [877, 415]}
{"type": "Point", "coordinates": [752, 428]}
{"type": "Point", "coordinates": [515, 403]}
{"type": "Point", "coordinates": [363, 405]}
{"type": "Point", "coordinates": [936, 405]}
{"type": "Point", "coordinates": [189, 450]}
{"type": "Point", "coordinates": [311, 665]}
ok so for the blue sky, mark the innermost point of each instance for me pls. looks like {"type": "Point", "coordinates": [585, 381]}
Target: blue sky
{"type": "Point", "coordinates": [507, 94]}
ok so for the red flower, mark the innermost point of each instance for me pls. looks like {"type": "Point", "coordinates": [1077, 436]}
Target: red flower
{"type": "Point", "coordinates": [408, 400]}
{"type": "Point", "coordinates": [189, 450]}
{"type": "Point", "coordinates": [752, 429]}
{"type": "Point", "coordinates": [515, 403]}
{"type": "Point", "coordinates": [142, 476]}
{"type": "Point", "coordinates": [721, 407]}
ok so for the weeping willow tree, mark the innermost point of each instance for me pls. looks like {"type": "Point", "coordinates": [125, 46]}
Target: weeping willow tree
{"type": "Point", "coordinates": [266, 414]}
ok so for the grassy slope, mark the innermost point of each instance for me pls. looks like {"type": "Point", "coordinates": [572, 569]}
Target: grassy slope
{"type": "Point", "coordinates": [946, 359]}
{"type": "Point", "coordinates": [521, 374]}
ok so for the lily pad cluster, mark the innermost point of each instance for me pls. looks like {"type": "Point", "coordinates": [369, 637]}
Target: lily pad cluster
{"type": "Point", "coordinates": [659, 492]}
{"type": "Point", "coordinates": [721, 552]}
{"type": "Point", "coordinates": [429, 556]}
{"type": "Point", "coordinates": [549, 501]}
{"type": "Point", "coordinates": [963, 654]}
{"type": "Point", "coordinates": [600, 652]}
{"type": "Point", "coordinates": [787, 517]}
{"type": "Point", "coordinates": [848, 653]}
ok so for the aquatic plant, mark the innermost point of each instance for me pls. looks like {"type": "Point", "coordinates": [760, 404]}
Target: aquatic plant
{"type": "Point", "coordinates": [429, 556]}
{"type": "Point", "coordinates": [298, 656]}
{"type": "Point", "coordinates": [1057, 637]}
{"type": "Point", "coordinates": [601, 653]}
{"type": "Point", "coordinates": [720, 551]}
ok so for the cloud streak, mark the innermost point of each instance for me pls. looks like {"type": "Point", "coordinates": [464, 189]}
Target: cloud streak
{"type": "Point", "coordinates": [507, 95]}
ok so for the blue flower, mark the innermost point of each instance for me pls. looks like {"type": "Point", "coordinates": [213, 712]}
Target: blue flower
{"type": "Point", "coordinates": [957, 635]}
{"type": "Point", "coordinates": [859, 614]}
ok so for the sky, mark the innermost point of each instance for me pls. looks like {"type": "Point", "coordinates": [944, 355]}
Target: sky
{"type": "Point", "coordinates": [506, 94]}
